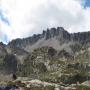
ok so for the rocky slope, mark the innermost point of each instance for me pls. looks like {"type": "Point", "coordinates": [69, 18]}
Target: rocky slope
{"type": "Point", "coordinates": [55, 56]}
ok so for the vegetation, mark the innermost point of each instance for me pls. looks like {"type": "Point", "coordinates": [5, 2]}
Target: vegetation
{"type": "Point", "coordinates": [43, 88]}
{"type": "Point", "coordinates": [81, 87]}
{"type": "Point", "coordinates": [10, 63]}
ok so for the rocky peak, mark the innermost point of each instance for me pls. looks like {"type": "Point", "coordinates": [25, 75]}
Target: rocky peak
{"type": "Point", "coordinates": [59, 31]}
{"type": "Point", "coordinates": [63, 34]}
{"type": "Point", "coordinates": [49, 33]}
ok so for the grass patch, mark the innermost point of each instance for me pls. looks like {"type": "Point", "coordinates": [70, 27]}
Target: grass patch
{"type": "Point", "coordinates": [83, 88]}
{"type": "Point", "coordinates": [43, 88]}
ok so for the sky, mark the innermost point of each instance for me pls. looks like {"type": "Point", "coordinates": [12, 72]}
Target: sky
{"type": "Point", "coordinates": [23, 18]}
{"type": "Point", "coordinates": [87, 3]}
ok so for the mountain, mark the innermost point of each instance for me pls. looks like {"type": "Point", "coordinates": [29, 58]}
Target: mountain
{"type": "Point", "coordinates": [53, 37]}
{"type": "Point", "coordinates": [55, 56]}
{"type": "Point", "coordinates": [67, 45]}
{"type": "Point", "coordinates": [57, 38]}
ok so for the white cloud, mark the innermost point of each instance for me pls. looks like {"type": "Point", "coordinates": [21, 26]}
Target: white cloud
{"type": "Point", "coordinates": [32, 16]}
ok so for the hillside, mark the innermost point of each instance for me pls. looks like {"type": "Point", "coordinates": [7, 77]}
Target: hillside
{"type": "Point", "coordinates": [55, 56]}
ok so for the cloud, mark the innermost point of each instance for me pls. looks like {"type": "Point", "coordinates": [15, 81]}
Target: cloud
{"type": "Point", "coordinates": [32, 16]}
{"type": "Point", "coordinates": [3, 18]}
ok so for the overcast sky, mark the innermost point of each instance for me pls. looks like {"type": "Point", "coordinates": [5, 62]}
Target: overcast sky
{"type": "Point", "coordinates": [22, 18]}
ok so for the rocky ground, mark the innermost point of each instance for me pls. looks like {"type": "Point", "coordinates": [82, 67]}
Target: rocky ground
{"type": "Point", "coordinates": [24, 83]}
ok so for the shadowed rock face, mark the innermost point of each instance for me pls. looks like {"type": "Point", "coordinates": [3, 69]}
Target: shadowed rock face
{"type": "Point", "coordinates": [10, 63]}
{"type": "Point", "coordinates": [83, 37]}
{"type": "Point", "coordinates": [3, 51]}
